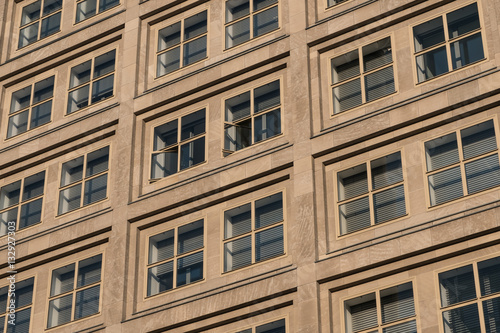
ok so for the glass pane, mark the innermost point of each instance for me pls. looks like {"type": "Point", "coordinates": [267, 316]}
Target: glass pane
{"type": "Point", "coordinates": [267, 125]}
{"type": "Point", "coordinates": [408, 327]}
{"type": "Point", "coordinates": [89, 271]}
{"type": "Point", "coordinates": [166, 134]}
{"type": "Point", "coordinates": [352, 182]}
{"type": "Point", "coordinates": [265, 21]}
{"type": "Point", "coordinates": [377, 54]}
{"type": "Point", "coordinates": [160, 278]}
{"type": "Point", "coordinates": [335, 2]}
{"type": "Point", "coordinates": [238, 136]}
{"type": "Point", "coordinates": [169, 36]}
{"type": "Point", "coordinates": [50, 6]}
{"type": "Point", "coordinates": [50, 25]}
{"type": "Point", "coordinates": [269, 210]}
{"type": "Point", "coordinates": [445, 186]}
{"type": "Point", "coordinates": [22, 322]}
{"type": "Point", "coordinates": [70, 199]}
{"type": "Point", "coordinates": [491, 309]}
{"type": "Point", "coordinates": [43, 90]}
{"type": "Point", "coordinates": [379, 84]}
{"type": "Point", "coordinates": [102, 88]}
{"type": "Point", "coordinates": [489, 276]}
{"type": "Point", "coordinates": [3, 298]}
{"type": "Point", "coordinates": [33, 186]}
{"type": "Point", "coordinates": [80, 74]}
{"type": "Point", "coordinates": [195, 51]}
{"type": "Point", "coordinates": [62, 280]}
{"type": "Point", "coordinates": [5, 218]}
{"type": "Point", "coordinates": [360, 313]}
{"type": "Point", "coordinates": [389, 204]}
{"type": "Point", "coordinates": [237, 221]}
{"type": "Point", "coordinates": [478, 139]}
{"type": "Point", "coordinates": [464, 319]}
{"type": "Point", "coordinates": [104, 64]}
{"type": "Point", "coordinates": [2, 323]}
{"type": "Point", "coordinates": [10, 194]}
{"type": "Point", "coordinates": [107, 4]}
{"type": "Point", "coordinates": [236, 9]}
{"type": "Point", "coordinates": [60, 311]}
{"type": "Point", "coordinates": [28, 35]}
{"type": "Point", "coordinates": [85, 9]}
{"type": "Point", "coordinates": [97, 161]}
{"type": "Point", "coordinates": [164, 164]}
{"type": "Point", "coordinates": [87, 302]}
{"type": "Point", "coordinates": [72, 171]}
{"type": "Point", "coordinates": [237, 253]}
{"type": "Point", "coordinates": [190, 269]}
{"type": "Point", "coordinates": [24, 292]}
{"type": "Point", "coordinates": [467, 50]}
{"type": "Point", "coordinates": [428, 34]}
{"type": "Point", "coordinates": [386, 171]}
{"type": "Point", "coordinates": [161, 246]}
{"type": "Point", "coordinates": [482, 174]}
{"type": "Point", "coordinates": [195, 25]}
{"type": "Point", "coordinates": [30, 13]}
{"type": "Point", "coordinates": [273, 327]}
{"type": "Point", "coordinates": [347, 96]}
{"type": "Point", "coordinates": [95, 189]}
{"type": "Point", "coordinates": [190, 237]}
{"type": "Point", "coordinates": [431, 64]}
{"type": "Point", "coordinates": [78, 99]}
{"type": "Point", "coordinates": [457, 285]}
{"type": "Point", "coordinates": [259, 4]}
{"type": "Point", "coordinates": [18, 124]}
{"type": "Point", "coordinates": [345, 66]}
{"type": "Point", "coordinates": [192, 125]}
{"type": "Point", "coordinates": [269, 243]}
{"type": "Point", "coordinates": [463, 20]}
{"type": "Point", "coordinates": [238, 107]}
{"type": "Point", "coordinates": [192, 153]}
{"type": "Point", "coordinates": [397, 303]}
{"type": "Point", "coordinates": [168, 61]}
{"type": "Point", "coordinates": [354, 215]}
{"type": "Point", "coordinates": [267, 96]}
{"type": "Point", "coordinates": [238, 33]}
{"type": "Point", "coordinates": [40, 114]}
{"type": "Point", "coordinates": [441, 152]}
{"type": "Point", "coordinates": [31, 213]}
{"type": "Point", "coordinates": [20, 99]}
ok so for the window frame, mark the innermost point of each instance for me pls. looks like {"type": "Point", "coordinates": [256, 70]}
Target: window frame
{"type": "Point", "coordinates": [97, 12]}
{"type": "Point", "coordinates": [39, 22]}
{"type": "Point", "coordinates": [24, 307]}
{"type": "Point", "coordinates": [335, 4]}
{"type": "Point", "coordinates": [254, 327]}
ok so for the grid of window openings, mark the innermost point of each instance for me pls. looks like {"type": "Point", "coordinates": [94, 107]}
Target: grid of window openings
{"type": "Point", "coordinates": [252, 116]}
{"type": "Point", "coordinates": [247, 19]}
{"type": "Point", "coordinates": [253, 232]}
{"type": "Point", "coordinates": [462, 163]}
{"type": "Point", "coordinates": [88, 8]}
{"type": "Point", "coordinates": [30, 107]}
{"type": "Point", "coordinates": [21, 202]}
{"type": "Point", "coordinates": [182, 43]}
{"type": "Point", "coordinates": [175, 258]}
{"type": "Point", "coordinates": [278, 326]}
{"type": "Point", "coordinates": [362, 75]}
{"type": "Point", "coordinates": [39, 20]}
{"type": "Point", "coordinates": [23, 298]}
{"type": "Point", "coordinates": [84, 180]}
{"type": "Point", "coordinates": [371, 193]}
{"type": "Point", "coordinates": [448, 42]}
{"type": "Point", "coordinates": [470, 300]}
{"type": "Point", "coordinates": [75, 291]}
{"type": "Point", "coordinates": [390, 310]}
{"type": "Point", "coordinates": [91, 81]}
{"type": "Point", "coordinates": [178, 145]}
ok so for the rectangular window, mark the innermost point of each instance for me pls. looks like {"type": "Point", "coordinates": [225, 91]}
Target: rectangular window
{"type": "Point", "coordinates": [178, 145]}
{"type": "Point", "coordinates": [371, 193]}
{"type": "Point", "coordinates": [462, 304]}
{"type": "Point", "coordinates": [247, 19]}
{"type": "Point", "coordinates": [39, 20]}
{"type": "Point", "coordinates": [175, 258]}
{"type": "Point", "coordinates": [253, 232]}
{"type": "Point", "coordinates": [88, 8]}
{"type": "Point", "coordinates": [278, 326]}
{"type": "Point", "coordinates": [91, 82]}
{"type": "Point", "coordinates": [22, 202]}
{"type": "Point", "coordinates": [22, 297]}
{"type": "Point", "coordinates": [390, 310]}
{"type": "Point", "coordinates": [30, 107]}
{"type": "Point", "coordinates": [332, 3]}
{"type": "Point", "coordinates": [75, 291]}
{"type": "Point", "coordinates": [84, 180]}
{"type": "Point", "coordinates": [463, 162]}
{"type": "Point", "coordinates": [448, 42]}
{"type": "Point", "coordinates": [182, 43]}
{"type": "Point", "coordinates": [252, 116]}
{"type": "Point", "coordinates": [362, 75]}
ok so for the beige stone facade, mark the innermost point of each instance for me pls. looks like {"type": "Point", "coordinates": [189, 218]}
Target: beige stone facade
{"type": "Point", "coordinates": [250, 165]}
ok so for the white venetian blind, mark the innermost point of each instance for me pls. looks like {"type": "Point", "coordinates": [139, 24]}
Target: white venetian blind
{"type": "Point", "coordinates": [397, 303]}
{"type": "Point", "coordinates": [462, 320]}
{"type": "Point", "coordinates": [482, 174]}
{"type": "Point", "coordinates": [478, 139]}
{"type": "Point", "coordinates": [87, 302]}
{"type": "Point", "coordinates": [441, 152]}
{"type": "Point", "coordinates": [360, 313]}
{"type": "Point", "coordinates": [354, 215]}
{"type": "Point", "coordinates": [489, 276]}
{"type": "Point", "coordinates": [445, 186]}
{"type": "Point", "coordinates": [269, 210]}
{"type": "Point", "coordinates": [457, 285]}
{"type": "Point", "coordinates": [269, 243]}
{"type": "Point", "coordinates": [389, 204]}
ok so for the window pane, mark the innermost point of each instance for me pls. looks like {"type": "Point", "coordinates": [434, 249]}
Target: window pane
{"type": "Point", "coordinates": [237, 253]}
{"type": "Point", "coordinates": [267, 96]}
{"type": "Point", "coordinates": [160, 278]}
{"type": "Point", "coordinates": [445, 186]}
{"type": "Point", "coordinates": [482, 174]}
{"type": "Point", "coordinates": [195, 51]}
{"type": "Point", "coordinates": [78, 99]}
{"type": "Point", "coordinates": [386, 171]}
{"type": "Point", "coordinates": [269, 243]}
{"type": "Point", "coordinates": [72, 171]}
{"type": "Point", "coordinates": [238, 33]}
{"type": "Point", "coordinates": [428, 34]}
{"type": "Point", "coordinates": [441, 152]}
{"type": "Point", "coordinates": [237, 221]}
{"type": "Point", "coordinates": [20, 99]}
{"type": "Point", "coordinates": [60, 311]}
{"type": "Point", "coordinates": [50, 25]}
{"type": "Point", "coordinates": [106, 4]}
{"type": "Point", "coordinates": [50, 6]}
{"type": "Point", "coordinates": [85, 9]}
{"type": "Point", "coordinates": [80, 74]}
{"type": "Point", "coordinates": [335, 2]}
{"type": "Point", "coordinates": [491, 309]}
{"type": "Point", "coordinates": [238, 107]}
{"type": "Point", "coordinates": [18, 124]}
{"type": "Point", "coordinates": [33, 186]}
{"type": "Point", "coordinates": [463, 20]}
{"type": "Point", "coordinates": [464, 319]}
{"type": "Point", "coordinates": [192, 153]}
{"type": "Point", "coordinates": [5, 217]}
{"type": "Point", "coordinates": [389, 204]}
{"type": "Point", "coordinates": [168, 61]}
{"type": "Point", "coordinates": [2, 323]}
{"type": "Point", "coordinates": [95, 189]}
{"type": "Point", "coordinates": [489, 276]}
{"type": "Point", "coordinates": [43, 90]}
{"type": "Point", "coordinates": [62, 280]}
{"type": "Point", "coordinates": [466, 51]}
{"type": "Point", "coordinates": [40, 114]}
{"type": "Point", "coordinates": [478, 139]}
{"type": "Point", "coordinates": [169, 36]}
{"type": "Point", "coordinates": [190, 237]}
{"type": "Point", "coordinates": [10, 194]}
{"type": "Point", "coordinates": [265, 21]}
{"type": "Point", "coordinates": [408, 327]}
{"type": "Point", "coordinates": [352, 182]}
{"type": "Point", "coordinates": [360, 313]}
{"type": "Point", "coordinates": [165, 135]}
{"type": "Point", "coordinates": [28, 35]}
{"type": "Point", "coordinates": [269, 210]}
{"type": "Point", "coordinates": [161, 246]}
{"type": "Point", "coordinates": [30, 13]}
{"type": "Point", "coordinates": [164, 164]}
{"type": "Point", "coordinates": [22, 322]}
{"type": "Point", "coordinates": [354, 215]}
{"type": "Point", "coordinates": [457, 285]}
{"type": "Point", "coordinates": [192, 125]}
{"type": "Point", "coordinates": [102, 88]}
{"type": "Point", "coordinates": [397, 303]}
{"type": "Point", "coordinates": [190, 269]}
{"type": "Point", "coordinates": [87, 302]}
{"type": "Point", "coordinates": [259, 4]}
{"type": "Point", "coordinates": [379, 84]}
{"type": "Point", "coordinates": [236, 9]}
{"type": "Point", "coordinates": [377, 54]}
{"type": "Point", "coordinates": [431, 64]}
{"type": "Point", "coordinates": [31, 213]}
{"type": "Point", "coordinates": [195, 25]}
{"type": "Point", "coordinates": [345, 66]}
{"type": "Point", "coordinates": [347, 96]}
{"type": "Point", "coordinates": [104, 64]}
{"type": "Point", "coordinates": [70, 199]}
{"type": "Point", "coordinates": [277, 326]}
{"type": "Point", "coordinates": [24, 292]}
{"type": "Point", "coordinates": [3, 298]}
{"type": "Point", "coordinates": [267, 125]}
{"type": "Point", "coordinates": [238, 136]}
{"type": "Point", "coordinates": [89, 271]}
{"type": "Point", "coordinates": [97, 161]}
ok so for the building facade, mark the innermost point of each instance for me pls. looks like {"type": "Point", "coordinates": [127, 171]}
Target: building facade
{"type": "Point", "coordinates": [250, 166]}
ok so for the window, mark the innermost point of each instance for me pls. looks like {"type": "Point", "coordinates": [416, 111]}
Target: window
{"type": "Point", "coordinates": [370, 194]}
{"type": "Point", "coordinates": [96, 76]}
{"type": "Point", "coordinates": [85, 177]}
{"type": "Point", "coordinates": [252, 116]}
{"type": "Point", "coordinates": [253, 232]}
{"type": "Point", "coordinates": [362, 75]}
{"type": "Point", "coordinates": [39, 20]}
{"type": "Point", "coordinates": [175, 258]}
{"type": "Point", "coordinates": [247, 19]}
{"type": "Point", "coordinates": [335, 2]}
{"type": "Point", "coordinates": [463, 304]}
{"type": "Point", "coordinates": [182, 44]}
{"type": "Point", "coordinates": [462, 163]}
{"type": "Point", "coordinates": [178, 145]}
{"type": "Point", "coordinates": [30, 107]}
{"type": "Point", "coordinates": [73, 299]}
{"type": "Point", "coordinates": [22, 297]}
{"type": "Point", "coordinates": [21, 202]}
{"type": "Point", "coordinates": [89, 8]}
{"type": "Point", "coordinates": [278, 326]}
{"type": "Point", "coordinates": [448, 41]}
{"type": "Point", "coordinates": [390, 310]}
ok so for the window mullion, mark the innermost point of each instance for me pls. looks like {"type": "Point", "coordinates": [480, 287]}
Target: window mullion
{"type": "Point", "coordinates": [73, 298]}
{"type": "Point", "coordinates": [181, 51]}
{"type": "Point", "coordinates": [250, 18]}
{"type": "Point", "coordinates": [447, 44]}
{"type": "Point", "coordinates": [179, 129]}
{"type": "Point", "coordinates": [252, 232]}
{"type": "Point", "coordinates": [252, 113]}
{"type": "Point", "coordinates": [462, 163]}
{"type": "Point", "coordinates": [379, 308]}
{"type": "Point", "coordinates": [175, 258]}
{"type": "Point", "coordinates": [84, 176]}
{"type": "Point", "coordinates": [479, 302]}
{"type": "Point", "coordinates": [370, 193]}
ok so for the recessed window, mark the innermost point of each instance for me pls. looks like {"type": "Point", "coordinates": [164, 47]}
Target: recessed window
{"type": "Point", "coordinates": [332, 3]}
{"type": "Point", "coordinates": [462, 163]}
{"type": "Point", "coordinates": [21, 202]}
{"type": "Point", "coordinates": [252, 116]}
{"type": "Point", "coordinates": [278, 326]}
{"type": "Point", "coordinates": [178, 145]}
{"type": "Point", "coordinates": [247, 19]}
{"type": "Point", "coordinates": [182, 43]}
{"type": "Point", "coordinates": [84, 180]}
{"type": "Point", "coordinates": [39, 20]}
{"type": "Point", "coordinates": [30, 107]}
{"type": "Point", "coordinates": [462, 304]}
{"type": "Point", "coordinates": [387, 310]}
{"type": "Point", "coordinates": [88, 8]}
{"type": "Point", "coordinates": [75, 291]}
{"type": "Point", "coordinates": [175, 258]}
{"type": "Point", "coordinates": [91, 82]}
{"type": "Point", "coordinates": [253, 232]}
{"type": "Point", "coordinates": [448, 42]}
{"type": "Point", "coordinates": [362, 75]}
{"type": "Point", "coordinates": [371, 193]}
{"type": "Point", "coordinates": [22, 297]}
